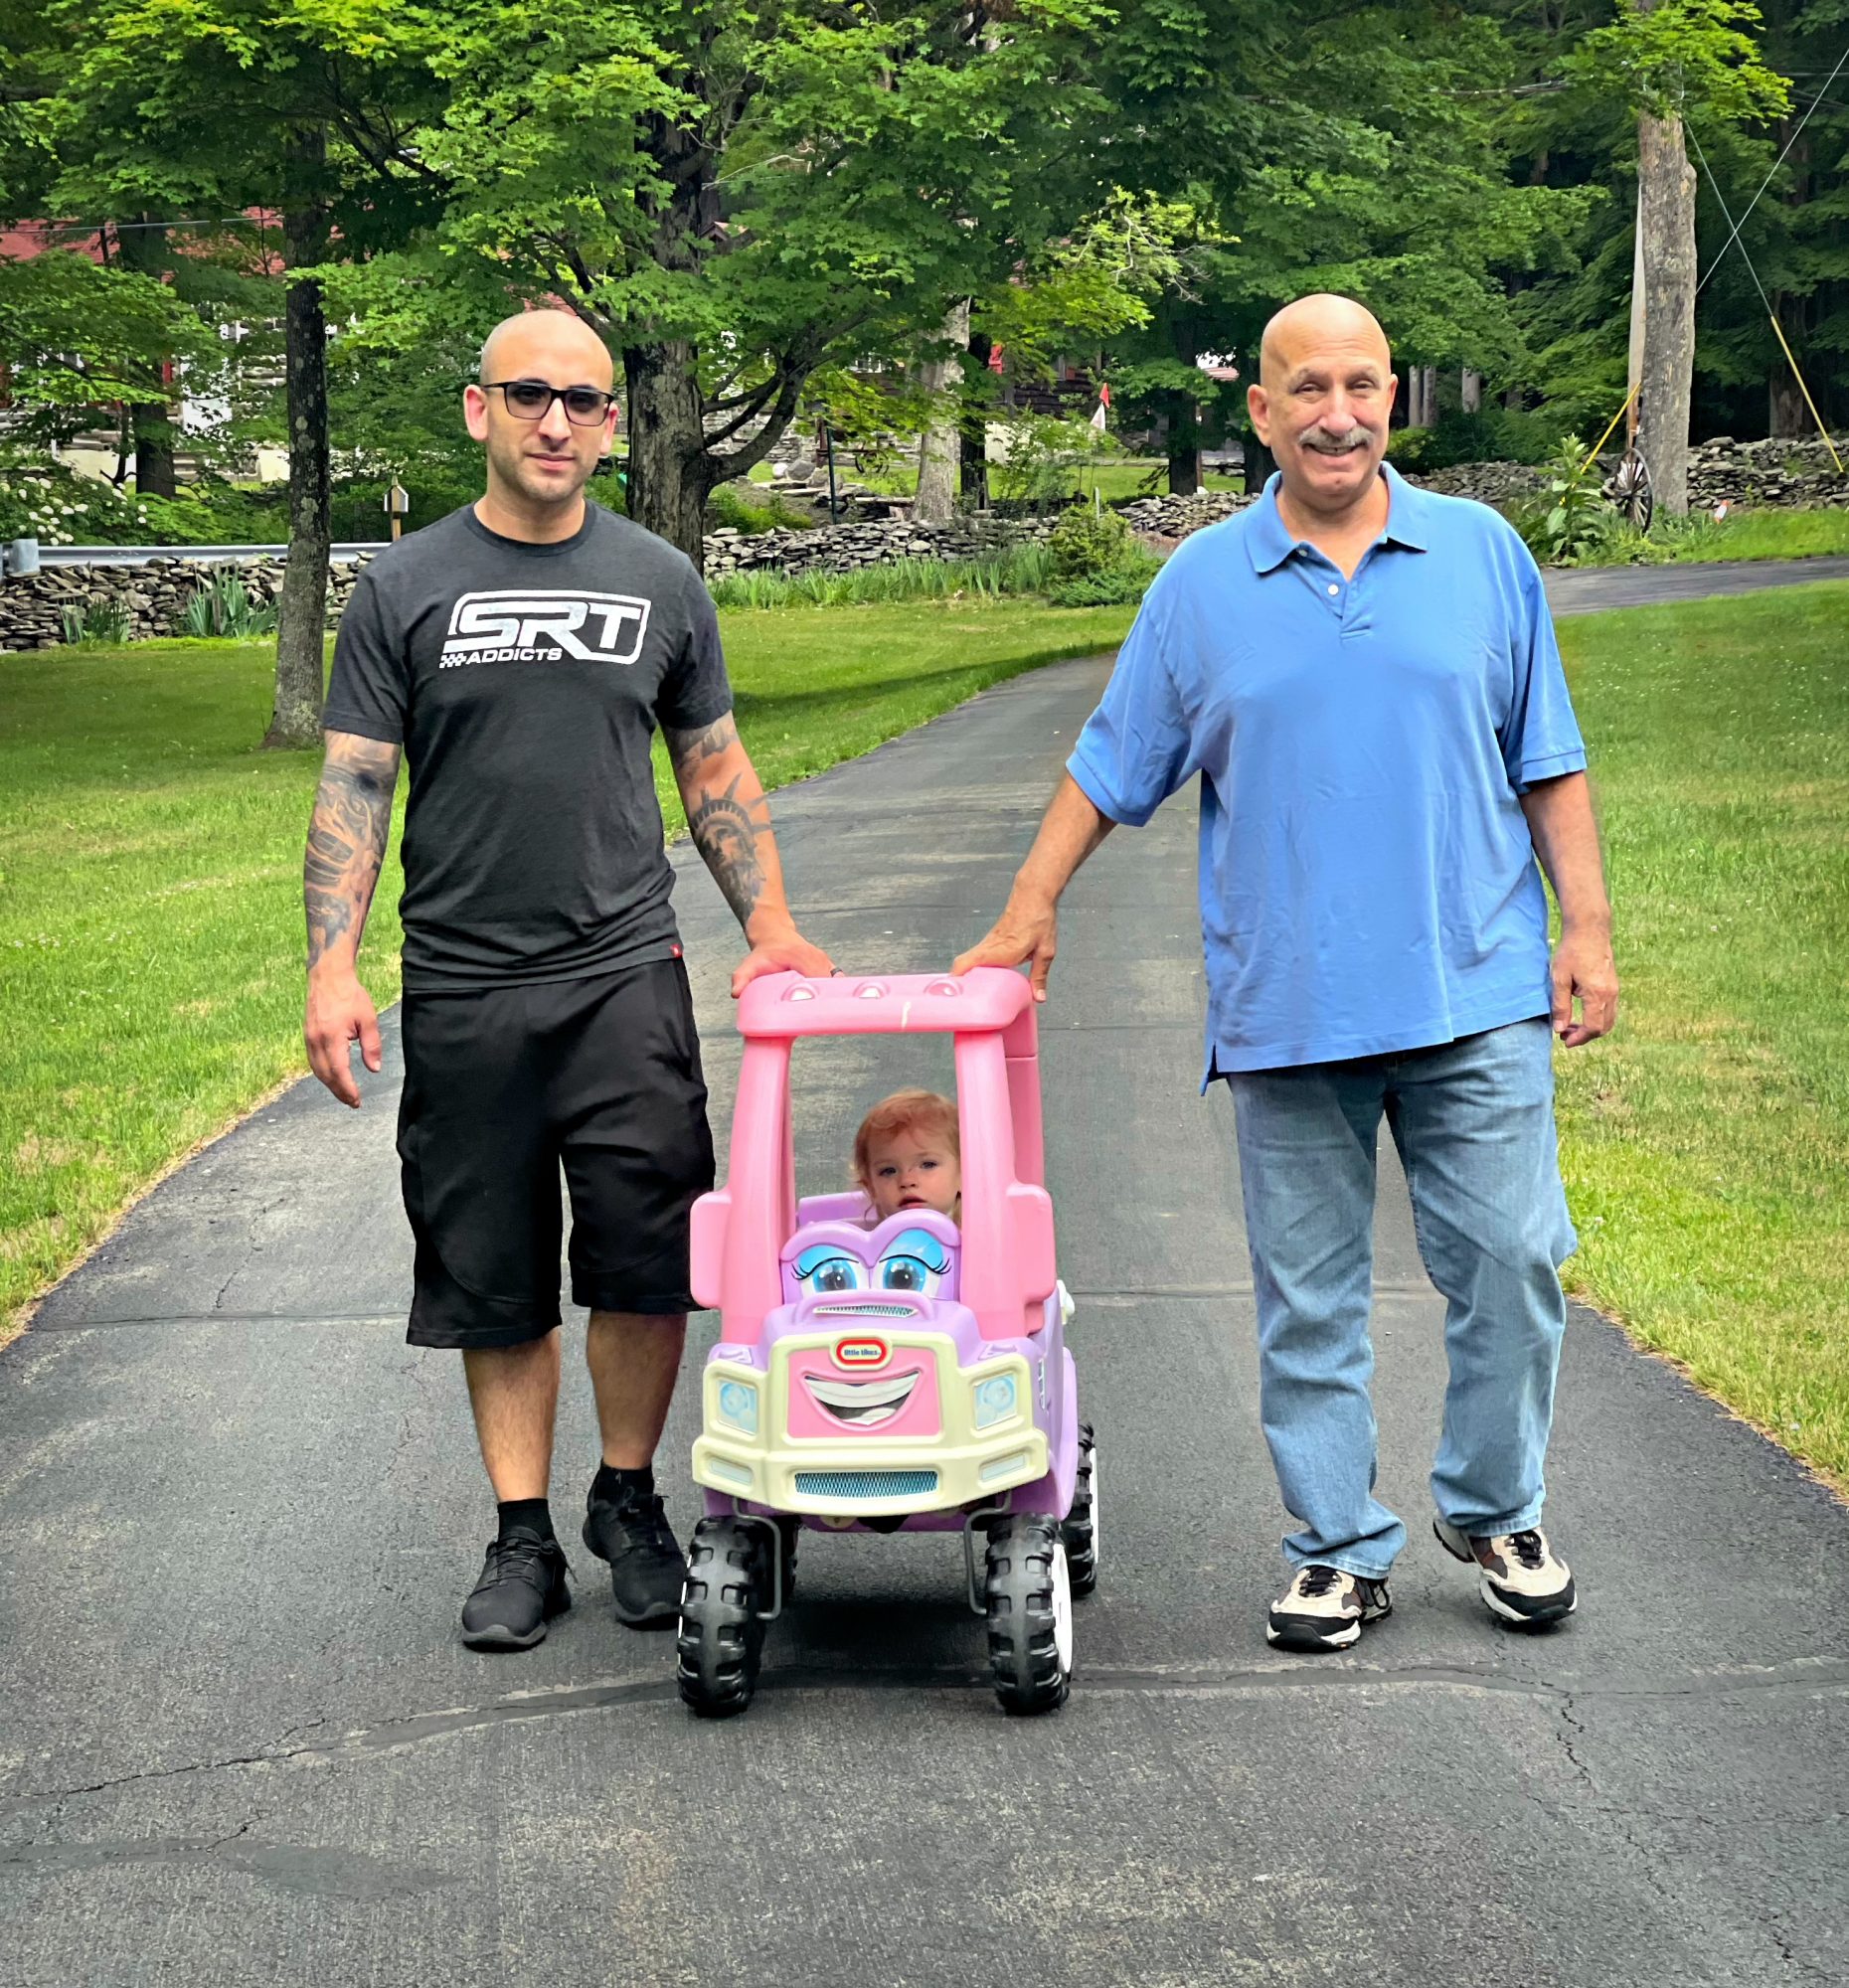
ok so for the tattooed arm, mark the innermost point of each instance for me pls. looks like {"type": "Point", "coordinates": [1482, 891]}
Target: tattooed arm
{"type": "Point", "coordinates": [729, 820]}
{"type": "Point", "coordinates": [346, 847]}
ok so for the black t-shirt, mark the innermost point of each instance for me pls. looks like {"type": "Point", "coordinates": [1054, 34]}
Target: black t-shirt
{"type": "Point", "coordinates": [525, 683]}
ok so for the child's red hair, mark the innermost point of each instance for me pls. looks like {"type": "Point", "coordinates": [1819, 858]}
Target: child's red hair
{"type": "Point", "coordinates": [924, 1112]}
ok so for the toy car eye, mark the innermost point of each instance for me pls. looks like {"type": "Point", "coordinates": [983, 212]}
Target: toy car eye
{"type": "Point", "coordinates": [909, 1273]}
{"type": "Point", "coordinates": [830, 1270]}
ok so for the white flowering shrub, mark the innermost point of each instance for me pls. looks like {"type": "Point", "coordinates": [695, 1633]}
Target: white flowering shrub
{"type": "Point", "coordinates": [44, 500]}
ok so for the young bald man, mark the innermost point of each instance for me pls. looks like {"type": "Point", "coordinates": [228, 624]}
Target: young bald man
{"type": "Point", "coordinates": [1365, 678]}
{"type": "Point", "coordinates": [521, 653]}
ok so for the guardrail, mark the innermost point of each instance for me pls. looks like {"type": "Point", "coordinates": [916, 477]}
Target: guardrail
{"type": "Point", "coordinates": [343, 554]}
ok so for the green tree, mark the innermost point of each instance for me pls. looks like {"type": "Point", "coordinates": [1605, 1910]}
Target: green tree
{"type": "Point", "coordinates": [1670, 60]}
{"type": "Point", "coordinates": [739, 196]}
{"type": "Point", "coordinates": [300, 108]}
{"type": "Point", "coordinates": [77, 336]}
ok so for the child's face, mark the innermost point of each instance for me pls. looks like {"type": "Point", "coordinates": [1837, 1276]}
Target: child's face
{"type": "Point", "coordinates": [910, 1169]}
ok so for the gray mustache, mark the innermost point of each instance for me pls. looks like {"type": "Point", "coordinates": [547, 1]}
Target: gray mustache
{"type": "Point", "coordinates": [1328, 445]}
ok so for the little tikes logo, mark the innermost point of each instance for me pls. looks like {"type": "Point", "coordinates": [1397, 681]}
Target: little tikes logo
{"type": "Point", "coordinates": [544, 625]}
{"type": "Point", "coordinates": [865, 1350]}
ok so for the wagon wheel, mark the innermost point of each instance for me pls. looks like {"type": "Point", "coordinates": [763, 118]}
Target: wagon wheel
{"type": "Point", "coordinates": [1633, 490]}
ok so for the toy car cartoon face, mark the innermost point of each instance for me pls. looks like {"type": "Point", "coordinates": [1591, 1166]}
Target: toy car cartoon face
{"type": "Point", "coordinates": [910, 1254]}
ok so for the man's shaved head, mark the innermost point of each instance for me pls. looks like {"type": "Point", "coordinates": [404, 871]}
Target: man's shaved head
{"type": "Point", "coordinates": [539, 464]}
{"type": "Point", "coordinates": [527, 344]}
{"type": "Point", "coordinates": [1321, 404]}
{"type": "Point", "coordinates": [1313, 324]}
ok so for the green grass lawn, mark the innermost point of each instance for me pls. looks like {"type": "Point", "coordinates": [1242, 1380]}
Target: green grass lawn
{"type": "Point", "coordinates": [1760, 535]}
{"type": "Point", "coordinates": [150, 867]}
{"type": "Point", "coordinates": [1706, 1142]}
{"type": "Point", "coordinates": [1741, 535]}
{"type": "Point", "coordinates": [150, 939]}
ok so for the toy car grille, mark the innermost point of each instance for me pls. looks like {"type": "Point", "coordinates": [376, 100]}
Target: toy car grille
{"type": "Point", "coordinates": [865, 1311]}
{"type": "Point", "coordinates": [865, 1483]}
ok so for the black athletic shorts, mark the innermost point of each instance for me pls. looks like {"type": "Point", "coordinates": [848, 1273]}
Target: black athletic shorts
{"type": "Point", "coordinates": [501, 1087]}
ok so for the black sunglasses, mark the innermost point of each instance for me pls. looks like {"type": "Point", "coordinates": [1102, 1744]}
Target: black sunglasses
{"type": "Point", "coordinates": [530, 400]}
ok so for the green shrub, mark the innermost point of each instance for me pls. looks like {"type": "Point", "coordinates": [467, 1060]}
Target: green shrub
{"type": "Point", "coordinates": [1572, 519]}
{"type": "Point", "coordinates": [223, 607]}
{"type": "Point", "coordinates": [1086, 542]}
{"type": "Point", "coordinates": [1127, 581]}
{"type": "Point", "coordinates": [218, 514]}
{"type": "Point", "coordinates": [45, 500]}
{"type": "Point", "coordinates": [1491, 434]}
{"type": "Point", "coordinates": [1021, 569]}
{"type": "Point", "coordinates": [97, 624]}
{"type": "Point", "coordinates": [736, 512]}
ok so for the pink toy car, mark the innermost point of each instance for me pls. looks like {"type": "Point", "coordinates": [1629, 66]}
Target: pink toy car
{"type": "Point", "coordinates": [905, 1376]}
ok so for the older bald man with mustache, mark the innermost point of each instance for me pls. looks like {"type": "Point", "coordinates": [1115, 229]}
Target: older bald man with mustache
{"type": "Point", "coordinates": [1365, 678]}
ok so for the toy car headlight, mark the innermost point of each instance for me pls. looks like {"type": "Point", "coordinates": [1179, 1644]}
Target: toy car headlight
{"type": "Point", "coordinates": [995, 1399]}
{"type": "Point", "coordinates": [737, 1404]}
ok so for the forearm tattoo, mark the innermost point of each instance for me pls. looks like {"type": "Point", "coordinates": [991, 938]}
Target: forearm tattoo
{"type": "Point", "coordinates": [687, 749]}
{"type": "Point", "coordinates": [725, 831]}
{"type": "Point", "coordinates": [347, 838]}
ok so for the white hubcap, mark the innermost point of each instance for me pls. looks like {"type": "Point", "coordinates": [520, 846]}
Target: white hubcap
{"type": "Point", "coordinates": [1062, 1610]}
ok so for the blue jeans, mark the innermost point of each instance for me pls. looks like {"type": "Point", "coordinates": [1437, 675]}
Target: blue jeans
{"type": "Point", "coordinates": [1473, 1122]}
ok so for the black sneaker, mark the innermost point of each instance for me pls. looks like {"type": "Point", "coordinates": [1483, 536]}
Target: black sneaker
{"type": "Point", "coordinates": [522, 1588]}
{"type": "Point", "coordinates": [647, 1566]}
{"type": "Point", "coordinates": [1323, 1608]}
{"type": "Point", "coordinates": [1521, 1578]}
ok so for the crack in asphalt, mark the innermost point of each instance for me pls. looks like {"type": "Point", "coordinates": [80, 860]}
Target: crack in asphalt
{"type": "Point", "coordinates": [1180, 1680]}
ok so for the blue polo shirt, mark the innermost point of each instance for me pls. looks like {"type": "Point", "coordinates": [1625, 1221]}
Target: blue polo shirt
{"type": "Point", "coordinates": [1366, 879]}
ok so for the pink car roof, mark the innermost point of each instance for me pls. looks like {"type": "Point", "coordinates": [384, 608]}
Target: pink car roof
{"type": "Point", "coordinates": [779, 1006]}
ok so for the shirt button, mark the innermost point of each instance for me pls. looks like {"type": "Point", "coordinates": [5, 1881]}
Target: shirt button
{"type": "Point", "coordinates": [1333, 588]}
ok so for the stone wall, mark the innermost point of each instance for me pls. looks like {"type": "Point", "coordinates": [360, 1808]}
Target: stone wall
{"type": "Point", "coordinates": [1779, 472]}
{"type": "Point", "coordinates": [1785, 471]}
{"type": "Point", "coordinates": [154, 596]}
{"type": "Point", "coordinates": [843, 548]}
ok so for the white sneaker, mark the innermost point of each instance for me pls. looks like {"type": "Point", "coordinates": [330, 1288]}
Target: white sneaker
{"type": "Point", "coordinates": [1519, 1575]}
{"type": "Point", "coordinates": [1323, 1608]}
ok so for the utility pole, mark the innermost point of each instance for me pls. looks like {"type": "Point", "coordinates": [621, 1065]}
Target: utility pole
{"type": "Point", "coordinates": [1662, 304]}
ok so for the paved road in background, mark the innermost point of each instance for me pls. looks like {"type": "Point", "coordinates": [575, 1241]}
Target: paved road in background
{"type": "Point", "coordinates": [1591, 589]}
{"type": "Point", "coordinates": [239, 1742]}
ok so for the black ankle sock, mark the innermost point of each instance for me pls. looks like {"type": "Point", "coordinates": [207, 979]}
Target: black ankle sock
{"type": "Point", "coordinates": [530, 1515]}
{"type": "Point", "coordinates": [611, 1485]}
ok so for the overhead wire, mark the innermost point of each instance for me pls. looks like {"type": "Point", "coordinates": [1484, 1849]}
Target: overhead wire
{"type": "Point", "coordinates": [1804, 387]}
{"type": "Point", "coordinates": [1737, 226]}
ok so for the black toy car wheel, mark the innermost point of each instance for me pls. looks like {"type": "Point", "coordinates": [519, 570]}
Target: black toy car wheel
{"type": "Point", "coordinates": [1027, 1598]}
{"type": "Point", "coordinates": [788, 1531]}
{"type": "Point", "coordinates": [721, 1633]}
{"type": "Point", "coordinates": [1079, 1529]}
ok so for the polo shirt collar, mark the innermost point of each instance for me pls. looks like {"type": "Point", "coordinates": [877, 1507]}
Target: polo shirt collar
{"type": "Point", "coordinates": [1269, 543]}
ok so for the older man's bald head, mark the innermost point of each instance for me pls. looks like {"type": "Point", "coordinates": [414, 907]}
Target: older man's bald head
{"type": "Point", "coordinates": [531, 342]}
{"type": "Point", "coordinates": [1321, 404]}
{"type": "Point", "coordinates": [1323, 323]}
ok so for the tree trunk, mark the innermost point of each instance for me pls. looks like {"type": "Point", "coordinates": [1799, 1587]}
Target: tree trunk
{"type": "Point", "coordinates": [1184, 428]}
{"type": "Point", "coordinates": [975, 465]}
{"type": "Point", "coordinates": [1788, 415]}
{"type": "Point", "coordinates": [1666, 253]}
{"type": "Point", "coordinates": [941, 447]}
{"type": "Point", "coordinates": [1470, 391]}
{"type": "Point", "coordinates": [144, 249]}
{"type": "Point", "coordinates": [1184, 448]}
{"type": "Point", "coordinates": [670, 473]}
{"type": "Point", "coordinates": [1260, 462]}
{"type": "Point", "coordinates": [301, 605]}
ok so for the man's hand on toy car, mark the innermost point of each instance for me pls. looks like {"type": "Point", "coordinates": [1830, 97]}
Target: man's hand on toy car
{"type": "Point", "coordinates": [1028, 929]}
{"type": "Point", "coordinates": [781, 950]}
